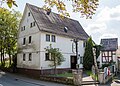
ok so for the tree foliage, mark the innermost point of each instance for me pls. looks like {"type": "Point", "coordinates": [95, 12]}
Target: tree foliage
{"type": "Point", "coordinates": [9, 21]}
{"type": "Point", "coordinates": [86, 8]}
{"type": "Point", "coordinates": [56, 57]}
{"type": "Point", "coordinates": [88, 58]}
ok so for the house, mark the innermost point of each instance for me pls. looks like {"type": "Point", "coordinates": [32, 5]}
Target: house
{"type": "Point", "coordinates": [108, 51]}
{"type": "Point", "coordinates": [38, 30]}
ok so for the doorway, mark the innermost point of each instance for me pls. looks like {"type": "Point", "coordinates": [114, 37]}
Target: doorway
{"type": "Point", "coordinates": [73, 62]}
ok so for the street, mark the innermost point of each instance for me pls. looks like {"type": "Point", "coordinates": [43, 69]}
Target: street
{"type": "Point", "coordinates": [7, 79]}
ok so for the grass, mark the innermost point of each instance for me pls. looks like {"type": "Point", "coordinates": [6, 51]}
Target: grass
{"type": "Point", "coordinates": [89, 73]}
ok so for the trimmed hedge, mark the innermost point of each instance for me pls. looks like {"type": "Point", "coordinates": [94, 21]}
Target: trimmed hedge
{"type": "Point", "coordinates": [63, 80]}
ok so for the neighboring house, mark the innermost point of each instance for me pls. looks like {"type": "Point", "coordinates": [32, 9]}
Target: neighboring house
{"type": "Point", "coordinates": [118, 53]}
{"type": "Point", "coordinates": [38, 30]}
{"type": "Point", "coordinates": [108, 51]}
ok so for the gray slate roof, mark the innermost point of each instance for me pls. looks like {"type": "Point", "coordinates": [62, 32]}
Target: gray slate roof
{"type": "Point", "coordinates": [110, 44]}
{"type": "Point", "coordinates": [53, 23]}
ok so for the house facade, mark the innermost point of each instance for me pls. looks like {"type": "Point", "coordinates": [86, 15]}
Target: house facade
{"type": "Point", "coordinates": [38, 30]}
{"type": "Point", "coordinates": [108, 51]}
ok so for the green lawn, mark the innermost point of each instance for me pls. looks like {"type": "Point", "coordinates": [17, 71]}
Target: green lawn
{"type": "Point", "coordinates": [65, 75]}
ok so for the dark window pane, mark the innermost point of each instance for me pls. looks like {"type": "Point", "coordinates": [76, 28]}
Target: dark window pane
{"type": "Point", "coordinates": [29, 14]}
{"type": "Point", "coordinates": [30, 39]}
{"type": "Point", "coordinates": [47, 37]}
{"type": "Point", "coordinates": [23, 57]}
{"type": "Point", "coordinates": [34, 23]}
{"type": "Point", "coordinates": [53, 38]}
{"type": "Point", "coordinates": [47, 56]}
{"type": "Point", "coordinates": [24, 41]}
{"type": "Point", "coordinates": [30, 24]}
{"type": "Point", "coordinates": [24, 28]}
{"type": "Point", "coordinates": [30, 56]}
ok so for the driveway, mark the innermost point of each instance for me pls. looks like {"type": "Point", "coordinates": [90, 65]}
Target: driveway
{"type": "Point", "coordinates": [7, 79]}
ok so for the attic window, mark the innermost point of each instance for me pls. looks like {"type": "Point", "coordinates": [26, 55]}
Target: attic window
{"type": "Point", "coordinates": [65, 29]}
{"type": "Point", "coordinates": [29, 14]}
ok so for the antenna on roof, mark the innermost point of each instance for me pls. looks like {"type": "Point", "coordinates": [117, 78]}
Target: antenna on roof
{"type": "Point", "coordinates": [65, 29]}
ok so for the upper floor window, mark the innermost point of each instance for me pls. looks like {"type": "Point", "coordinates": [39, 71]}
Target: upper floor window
{"type": "Point", "coordinates": [29, 14]}
{"type": "Point", "coordinates": [84, 44]}
{"type": "Point", "coordinates": [24, 28]}
{"type": "Point", "coordinates": [30, 39]}
{"type": "Point", "coordinates": [30, 57]}
{"type": "Point", "coordinates": [24, 57]}
{"type": "Point", "coordinates": [47, 37]}
{"type": "Point", "coordinates": [21, 28]}
{"type": "Point", "coordinates": [32, 24]}
{"type": "Point", "coordinates": [24, 41]}
{"type": "Point", "coordinates": [53, 38]}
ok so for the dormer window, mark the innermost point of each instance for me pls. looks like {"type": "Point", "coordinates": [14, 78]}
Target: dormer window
{"type": "Point", "coordinates": [28, 14]}
{"type": "Point", "coordinates": [65, 29]}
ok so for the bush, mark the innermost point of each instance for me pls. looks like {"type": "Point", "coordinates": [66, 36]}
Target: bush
{"type": "Point", "coordinates": [105, 65]}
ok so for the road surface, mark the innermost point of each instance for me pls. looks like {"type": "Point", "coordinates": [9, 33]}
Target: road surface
{"type": "Point", "coordinates": [7, 79]}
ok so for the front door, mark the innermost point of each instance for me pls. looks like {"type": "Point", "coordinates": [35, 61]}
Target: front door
{"type": "Point", "coordinates": [73, 62]}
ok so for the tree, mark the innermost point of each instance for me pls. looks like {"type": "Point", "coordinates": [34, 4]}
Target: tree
{"type": "Point", "coordinates": [88, 58]}
{"type": "Point", "coordinates": [9, 22]}
{"type": "Point", "coordinates": [85, 7]}
{"type": "Point", "coordinates": [56, 57]}
{"type": "Point", "coordinates": [96, 52]}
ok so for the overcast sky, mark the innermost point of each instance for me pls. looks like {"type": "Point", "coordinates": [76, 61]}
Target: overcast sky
{"type": "Point", "coordinates": [104, 24]}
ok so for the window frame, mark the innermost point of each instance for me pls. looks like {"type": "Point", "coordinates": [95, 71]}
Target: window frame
{"type": "Point", "coordinates": [30, 57]}
{"type": "Point", "coordinates": [28, 14]}
{"type": "Point", "coordinates": [24, 56]}
{"type": "Point", "coordinates": [47, 57]}
{"type": "Point", "coordinates": [53, 38]}
{"type": "Point", "coordinates": [24, 41]}
{"type": "Point", "coordinates": [47, 37]}
{"type": "Point", "coordinates": [30, 39]}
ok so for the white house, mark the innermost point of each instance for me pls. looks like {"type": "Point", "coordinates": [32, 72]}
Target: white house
{"type": "Point", "coordinates": [38, 30]}
{"type": "Point", "coordinates": [108, 51]}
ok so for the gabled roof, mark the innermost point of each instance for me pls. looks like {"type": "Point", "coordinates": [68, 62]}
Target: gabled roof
{"type": "Point", "coordinates": [53, 23]}
{"type": "Point", "coordinates": [110, 44]}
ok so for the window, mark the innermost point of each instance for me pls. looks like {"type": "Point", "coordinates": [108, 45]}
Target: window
{"type": "Point", "coordinates": [29, 14]}
{"type": "Point", "coordinates": [84, 44]}
{"type": "Point", "coordinates": [21, 28]}
{"type": "Point", "coordinates": [24, 57]}
{"type": "Point", "coordinates": [30, 39]}
{"type": "Point", "coordinates": [30, 24]}
{"type": "Point", "coordinates": [107, 56]}
{"type": "Point", "coordinates": [24, 41]}
{"type": "Point", "coordinates": [53, 38]}
{"type": "Point", "coordinates": [47, 37]}
{"type": "Point", "coordinates": [81, 59]}
{"type": "Point", "coordinates": [30, 56]}
{"type": "Point", "coordinates": [24, 28]}
{"type": "Point", "coordinates": [47, 56]}
{"type": "Point", "coordinates": [34, 23]}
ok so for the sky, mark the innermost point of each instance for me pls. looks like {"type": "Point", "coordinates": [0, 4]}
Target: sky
{"type": "Point", "coordinates": [104, 24]}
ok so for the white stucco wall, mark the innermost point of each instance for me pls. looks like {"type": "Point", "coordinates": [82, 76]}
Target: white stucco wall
{"type": "Point", "coordinates": [38, 45]}
{"type": "Point", "coordinates": [33, 48]}
{"type": "Point", "coordinates": [65, 46]}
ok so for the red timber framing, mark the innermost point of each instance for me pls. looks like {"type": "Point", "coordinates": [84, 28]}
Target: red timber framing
{"type": "Point", "coordinates": [107, 56]}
